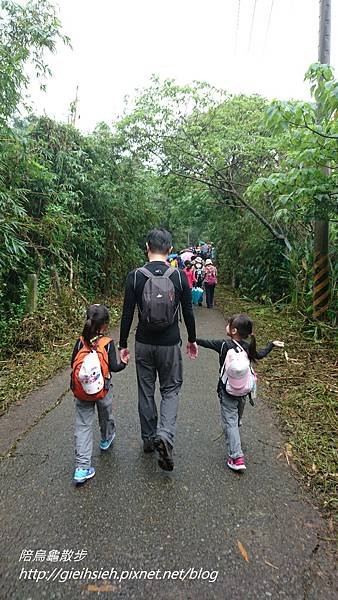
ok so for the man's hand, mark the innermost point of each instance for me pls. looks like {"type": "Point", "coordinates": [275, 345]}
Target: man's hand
{"type": "Point", "coordinates": [125, 355]}
{"type": "Point", "coordinates": [192, 350]}
{"type": "Point", "coordinates": [278, 344]}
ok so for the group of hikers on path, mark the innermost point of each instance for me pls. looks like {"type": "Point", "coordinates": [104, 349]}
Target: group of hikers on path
{"type": "Point", "coordinates": [201, 277]}
{"type": "Point", "coordinates": [158, 290]}
{"type": "Point", "coordinates": [201, 273]}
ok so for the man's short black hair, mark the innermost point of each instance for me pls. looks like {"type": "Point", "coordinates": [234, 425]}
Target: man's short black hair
{"type": "Point", "coordinates": [159, 240]}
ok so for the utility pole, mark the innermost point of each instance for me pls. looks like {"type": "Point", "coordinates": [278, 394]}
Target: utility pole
{"type": "Point", "coordinates": [73, 108]}
{"type": "Point", "coordinates": [321, 282]}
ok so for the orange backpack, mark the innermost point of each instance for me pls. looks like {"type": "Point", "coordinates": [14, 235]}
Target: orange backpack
{"type": "Point", "coordinates": [102, 353]}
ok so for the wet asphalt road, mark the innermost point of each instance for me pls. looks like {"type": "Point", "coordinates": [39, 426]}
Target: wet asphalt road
{"type": "Point", "coordinates": [133, 516]}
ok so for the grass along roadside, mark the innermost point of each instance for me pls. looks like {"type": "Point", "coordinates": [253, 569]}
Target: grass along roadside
{"type": "Point", "coordinates": [42, 345]}
{"type": "Point", "coordinates": [301, 383]}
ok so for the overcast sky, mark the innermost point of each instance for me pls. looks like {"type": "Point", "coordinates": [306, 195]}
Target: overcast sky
{"type": "Point", "coordinates": [264, 48]}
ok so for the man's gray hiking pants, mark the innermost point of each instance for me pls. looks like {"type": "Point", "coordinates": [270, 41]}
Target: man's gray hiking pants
{"type": "Point", "coordinates": [166, 361]}
{"type": "Point", "coordinates": [84, 417]}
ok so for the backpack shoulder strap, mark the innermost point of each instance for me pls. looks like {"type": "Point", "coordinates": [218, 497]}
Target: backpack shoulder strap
{"type": "Point", "coordinates": [238, 346]}
{"type": "Point", "coordinates": [223, 347]}
{"type": "Point", "coordinates": [145, 272]}
{"type": "Point", "coordinates": [226, 344]}
{"type": "Point", "coordinates": [148, 274]}
{"type": "Point", "coordinates": [180, 278]}
{"type": "Point", "coordinates": [100, 346]}
{"type": "Point", "coordinates": [169, 272]}
{"type": "Point", "coordinates": [222, 350]}
{"type": "Point", "coordinates": [82, 351]}
{"type": "Point", "coordinates": [104, 341]}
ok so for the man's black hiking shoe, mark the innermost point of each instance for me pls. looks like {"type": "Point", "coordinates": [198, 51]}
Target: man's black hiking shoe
{"type": "Point", "coordinates": [149, 445]}
{"type": "Point", "coordinates": [165, 451]}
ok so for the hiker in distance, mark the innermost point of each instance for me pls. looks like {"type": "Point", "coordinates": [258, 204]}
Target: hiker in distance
{"type": "Point", "coordinates": [158, 291]}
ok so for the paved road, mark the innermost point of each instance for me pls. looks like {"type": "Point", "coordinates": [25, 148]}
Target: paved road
{"type": "Point", "coordinates": [133, 516]}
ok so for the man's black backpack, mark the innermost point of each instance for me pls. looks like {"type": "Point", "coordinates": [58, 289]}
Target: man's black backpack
{"type": "Point", "coordinates": [159, 306]}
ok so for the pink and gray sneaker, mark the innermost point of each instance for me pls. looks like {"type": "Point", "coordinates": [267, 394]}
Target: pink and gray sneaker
{"type": "Point", "coordinates": [236, 464]}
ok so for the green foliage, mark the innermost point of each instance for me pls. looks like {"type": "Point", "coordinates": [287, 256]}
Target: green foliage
{"type": "Point", "coordinates": [26, 33]}
{"type": "Point", "coordinates": [85, 208]}
{"type": "Point", "coordinates": [202, 135]}
{"type": "Point", "coordinates": [72, 205]}
{"type": "Point", "coordinates": [236, 170]}
{"type": "Point", "coordinates": [207, 147]}
{"type": "Point", "coordinates": [252, 261]}
{"type": "Point", "coordinates": [247, 174]}
{"type": "Point", "coordinates": [308, 142]}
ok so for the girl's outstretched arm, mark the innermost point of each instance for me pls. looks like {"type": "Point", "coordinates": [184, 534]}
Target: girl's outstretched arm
{"type": "Point", "coordinates": [211, 344]}
{"type": "Point", "coordinates": [271, 345]}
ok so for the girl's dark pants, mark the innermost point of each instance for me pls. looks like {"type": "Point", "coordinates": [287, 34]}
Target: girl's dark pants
{"type": "Point", "coordinates": [209, 294]}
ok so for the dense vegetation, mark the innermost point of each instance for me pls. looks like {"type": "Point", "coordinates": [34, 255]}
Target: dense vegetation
{"type": "Point", "coordinates": [234, 169]}
{"type": "Point", "coordinates": [74, 208]}
{"type": "Point", "coordinates": [247, 174]}
{"type": "Point", "coordinates": [237, 170]}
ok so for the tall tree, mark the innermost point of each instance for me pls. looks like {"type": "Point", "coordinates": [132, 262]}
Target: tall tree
{"type": "Point", "coordinates": [203, 135]}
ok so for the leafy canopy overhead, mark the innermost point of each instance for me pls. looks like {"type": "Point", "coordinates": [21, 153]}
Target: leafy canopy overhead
{"type": "Point", "coordinates": [308, 142]}
{"type": "Point", "coordinates": [26, 33]}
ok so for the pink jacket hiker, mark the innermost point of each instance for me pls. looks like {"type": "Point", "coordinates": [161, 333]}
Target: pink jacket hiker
{"type": "Point", "coordinates": [210, 275]}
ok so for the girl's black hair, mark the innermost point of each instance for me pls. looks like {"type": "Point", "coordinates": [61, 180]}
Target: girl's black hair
{"type": "Point", "coordinates": [97, 316]}
{"type": "Point", "coordinates": [188, 264]}
{"type": "Point", "coordinates": [244, 326]}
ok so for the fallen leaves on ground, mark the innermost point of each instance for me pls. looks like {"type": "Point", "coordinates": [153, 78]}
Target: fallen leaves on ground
{"type": "Point", "coordinates": [270, 564]}
{"type": "Point", "coordinates": [301, 384]}
{"type": "Point", "coordinates": [243, 551]}
{"type": "Point", "coordinates": [104, 587]}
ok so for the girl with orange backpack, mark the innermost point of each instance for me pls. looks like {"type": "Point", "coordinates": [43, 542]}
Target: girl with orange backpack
{"type": "Point", "coordinates": [93, 361]}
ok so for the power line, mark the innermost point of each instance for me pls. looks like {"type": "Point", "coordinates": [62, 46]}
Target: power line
{"type": "Point", "coordinates": [268, 26]}
{"type": "Point", "coordinates": [237, 24]}
{"type": "Point", "coordinates": [252, 25]}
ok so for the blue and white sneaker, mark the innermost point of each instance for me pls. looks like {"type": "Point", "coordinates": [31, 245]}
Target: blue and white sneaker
{"type": "Point", "coordinates": [81, 475]}
{"type": "Point", "coordinates": [105, 444]}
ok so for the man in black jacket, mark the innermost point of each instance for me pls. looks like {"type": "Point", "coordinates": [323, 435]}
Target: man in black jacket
{"type": "Point", "coordinates": [158, 352]}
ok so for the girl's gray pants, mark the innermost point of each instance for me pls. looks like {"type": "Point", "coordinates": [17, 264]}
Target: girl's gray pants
{"type": "Point", "coordinates": [84, 416]}
{"type": "Point", "coordinates": [231, 412]}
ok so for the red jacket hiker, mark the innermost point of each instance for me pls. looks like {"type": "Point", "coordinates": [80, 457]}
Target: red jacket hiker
{"type": "Point", "coordinates": [190, 273]}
